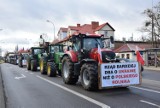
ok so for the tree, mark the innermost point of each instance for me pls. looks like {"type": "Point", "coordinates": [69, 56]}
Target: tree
{"type": "Point", "coordinates": [151, 26]}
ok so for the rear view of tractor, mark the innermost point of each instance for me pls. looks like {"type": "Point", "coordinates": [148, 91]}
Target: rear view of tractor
{"type": "Point", "coordinates": [50, 62]}
{"type": "Point", "coordinates": [22, 59]}
{"type": "Point", "coordinates": [33, 58]}
{"type": "Point", "coordinates": [89, 60]}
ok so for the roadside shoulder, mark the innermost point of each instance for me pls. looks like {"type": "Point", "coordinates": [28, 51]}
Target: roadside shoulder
{"type": "Point", "coordinates": [152, 68]}
{"type": "Point", "coordinates": [2, 94]}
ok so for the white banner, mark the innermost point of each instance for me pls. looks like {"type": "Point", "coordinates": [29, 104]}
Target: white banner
{"type": "Point", "coordinates": [119, 74]}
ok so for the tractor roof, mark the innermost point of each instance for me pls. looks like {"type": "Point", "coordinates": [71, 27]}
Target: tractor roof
{"type": "Point", "coordinates": [37, 48]}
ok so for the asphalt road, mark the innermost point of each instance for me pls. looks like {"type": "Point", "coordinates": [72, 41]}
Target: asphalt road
{"type": "Point", "coordinates": [26, 89]}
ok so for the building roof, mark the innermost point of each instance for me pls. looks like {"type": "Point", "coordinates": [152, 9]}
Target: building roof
{"type": "Point", "coordinates": [102, 25]}
{"type": "Point", "coordinates": [74, 28]}
{"type": "Point", "coordinates": [129, 48]}
{"type": "Point", "coordinates": [64, 29]}
{"type": "Point", "coordinates": [23, 51]}
{"type": "Point", "coordinates": [54, 41]}
{"type": "Point", "coordinates": [86, 28]}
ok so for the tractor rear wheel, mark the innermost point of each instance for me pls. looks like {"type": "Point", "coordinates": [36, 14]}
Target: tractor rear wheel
{"type": "Point", "coordinates": [28, 64]}
{"type": "Point", "coordinates": [89, 76]}
{"type": "Point", "coordinates": [33, 65]}
{"type": "Point", "coordinates": [68, 71]}
{"type": "Point", "coordinates": [51, 69]}
{"type": "Point", "coordinates": [43, 64]}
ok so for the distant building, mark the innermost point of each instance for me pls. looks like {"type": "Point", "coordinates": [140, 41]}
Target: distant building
{"type": "Point", "coordinates": [62, 33]}
{"type": "Point", "coordinates": [94, 28]}
{"type": "Point", "coordinates": [127, 49]}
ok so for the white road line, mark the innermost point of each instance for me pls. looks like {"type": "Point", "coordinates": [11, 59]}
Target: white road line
{"type": "Point", "coordinates": [150, 103]}
{"type": "Point", "coordinates": [76, 93]}
{"type": "Point", "coordinates": [22, 76]}
{"type": "Point", "coordinates": [31, 73]}
{"type": "Point", "coordinates": [145, 89]}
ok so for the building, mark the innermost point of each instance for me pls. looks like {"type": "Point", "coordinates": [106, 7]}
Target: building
{"type": "Point", "coordinates": [94, 28]}
{"type": "Point", "coordinates": [62, 33]}
{"type": "Point", "coordinates": [126, 49]}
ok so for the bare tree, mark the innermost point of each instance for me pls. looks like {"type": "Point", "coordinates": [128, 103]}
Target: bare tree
{"type": "Point", "coordinates": [151, 26]}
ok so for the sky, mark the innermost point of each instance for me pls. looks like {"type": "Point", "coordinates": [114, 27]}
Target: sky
{"type": "Point", "coordinates": [23, 21]}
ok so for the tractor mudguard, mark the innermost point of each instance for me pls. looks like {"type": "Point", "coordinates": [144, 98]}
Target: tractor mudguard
{"type": "Point", "coordinates": [72, 55]}
{"type": "Point", "coordinates": [88, 60]}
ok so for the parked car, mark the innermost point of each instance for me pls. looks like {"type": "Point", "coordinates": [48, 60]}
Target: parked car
{"type": "Point", "coordinates": [122, 60]}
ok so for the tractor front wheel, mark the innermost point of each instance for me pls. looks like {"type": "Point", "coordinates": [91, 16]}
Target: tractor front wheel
{"type": "Point", "coordinates": [51, 69]}
{"type": "Point", "coordinates": [68, 71]}
{"type": "Point", "coordinates": [43, 64]}
{"type": "Point", "coordinates": [33, 65]}
{"type": "Point", "coordinates": [89, 76]}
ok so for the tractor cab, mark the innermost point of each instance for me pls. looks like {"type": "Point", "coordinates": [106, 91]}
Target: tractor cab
{"type": "Point", "coordinates": [86, 47]}
{"type": "Point", "coordinates": [34, 58]}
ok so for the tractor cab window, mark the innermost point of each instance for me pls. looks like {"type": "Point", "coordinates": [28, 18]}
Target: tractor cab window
{"type": "Point", "coordinates": [77, 45]}
{"type": "Point", "coordinates": [38, 51]}
{"type": "Point", "coordinates": [51, 49]}
{"type": "Point", "coordinates": [56, 48]}
{"type": "Point", "coordinates": [90, 43]}
{"type": "Point", "coordinates": [61, 48]}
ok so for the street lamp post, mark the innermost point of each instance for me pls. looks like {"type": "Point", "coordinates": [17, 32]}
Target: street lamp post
{"type": "Point", "coordinates": [53, 26]}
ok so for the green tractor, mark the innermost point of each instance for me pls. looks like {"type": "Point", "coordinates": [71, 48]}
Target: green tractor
{"type": "Point", "coordinates": [50, 62]}
{"type": "Point", "coordinates": [33, 59]}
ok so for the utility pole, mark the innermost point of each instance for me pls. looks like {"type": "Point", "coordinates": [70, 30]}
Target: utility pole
{"type": "Point", "coordinates": [152, 27]}
{"type": "Point", "coordinates": [53, 26]}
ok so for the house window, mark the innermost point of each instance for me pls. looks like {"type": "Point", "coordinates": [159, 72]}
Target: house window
{"type": "Point", "coordinates": [106, 34]}
{"type": "Point", "coordinates": [128, 56]}
{"type": "Point", "coordinates": [122, 55]}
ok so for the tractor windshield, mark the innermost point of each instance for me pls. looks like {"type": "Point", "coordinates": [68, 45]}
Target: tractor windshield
{"type": "Point", "coordinates": [57, 48]}
{"type": "Point", "coordinates": [38, 51]}
{"type": "Point", "coordinates": [90, 43]}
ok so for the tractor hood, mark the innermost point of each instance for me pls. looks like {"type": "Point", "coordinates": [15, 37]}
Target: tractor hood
{"type": "Point", "coordinates": [107, 55]}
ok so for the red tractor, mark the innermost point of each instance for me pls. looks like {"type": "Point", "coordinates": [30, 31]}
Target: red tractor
{"type": "Point", "coordinates": [81, 58]}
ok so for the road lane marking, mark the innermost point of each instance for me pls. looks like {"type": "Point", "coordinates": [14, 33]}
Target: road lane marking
{"type": "Point", "coordinates": [145, 89]}
{"type": "Point", "coordinates": [31, 73]}
{"type": "Point", "coordinates": [76, 93]}
{"type": "Point", "coordinates": [22, 76]}
{"type": "Point", "coordinates": [150, 103]}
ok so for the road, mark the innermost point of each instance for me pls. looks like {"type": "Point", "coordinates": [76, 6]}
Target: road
{"type": "Point", "coordinates": [26, 89]}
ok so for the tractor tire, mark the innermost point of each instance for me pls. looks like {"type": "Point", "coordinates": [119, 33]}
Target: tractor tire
{"type": "Point", "coordinates": [68, 71]}
{"type": "Point", "coordinates": [51, 69]}
{"type": "Point", "coordinates": [43, 66]}
{"type": "Point", "coordinates": [89, 76]}
{"type": "Point", "coordinates": [33, 65]}
{"type": "Point", "coordinates": [28, 64]}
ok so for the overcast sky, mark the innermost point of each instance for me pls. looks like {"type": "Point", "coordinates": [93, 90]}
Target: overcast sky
{"type": "Point", "coordinates": [23, 21]}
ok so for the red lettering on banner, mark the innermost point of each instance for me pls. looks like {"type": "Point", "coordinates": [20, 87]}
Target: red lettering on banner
{"type": "Point", "coordinates": [126, 76]}
{"type": "Point", "coordinates": [120, 81]}
{"type": "Point", "coordinates": [127, 71]}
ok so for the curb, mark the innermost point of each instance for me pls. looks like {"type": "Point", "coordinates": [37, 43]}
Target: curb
{"type": "Point", "coordinates": [2, 92]}
{"type": "Point", "coordinates": [152, 68]}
